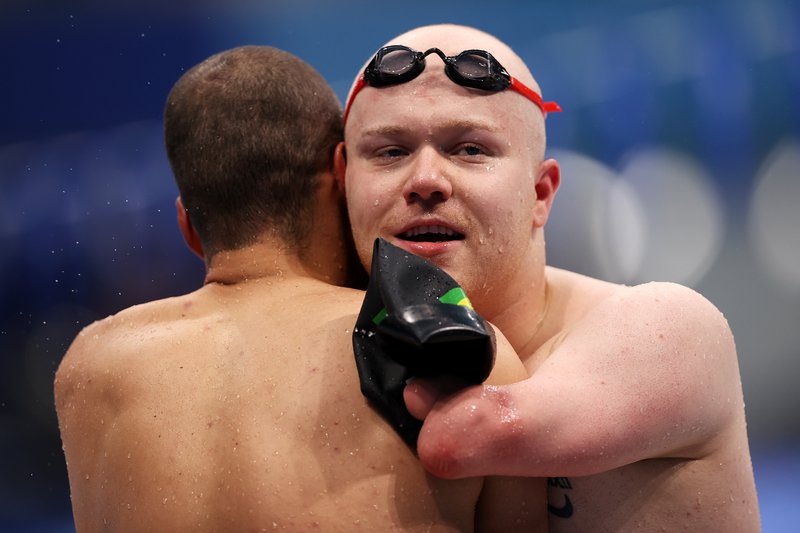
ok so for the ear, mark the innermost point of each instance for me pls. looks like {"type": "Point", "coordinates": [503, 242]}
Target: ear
{"type": "Point", "coordinates": [547, 182]}
{"type": "Point", "coordinates": [340, 165]}
{"type": "Point", "coordinates": [190, 235]}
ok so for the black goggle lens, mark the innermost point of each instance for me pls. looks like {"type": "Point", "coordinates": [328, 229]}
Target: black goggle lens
{"type": "Point", "coordinates": [396, 62]}
{"type": "Point", "coordinates": [471, 66]}
{"type": "Point", "coordinates": [480, 70]}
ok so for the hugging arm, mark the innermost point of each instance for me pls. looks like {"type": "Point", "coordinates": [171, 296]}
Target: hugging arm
{"type": "Point", "coordinates": [651, 372]}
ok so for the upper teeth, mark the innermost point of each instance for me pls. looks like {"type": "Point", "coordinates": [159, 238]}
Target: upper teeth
{"type": "Point", "coordinates": [419, 230]}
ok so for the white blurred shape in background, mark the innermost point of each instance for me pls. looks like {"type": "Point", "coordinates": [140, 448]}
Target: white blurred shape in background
{"type": "Point", "coordinates": [659, 219]}
{"type": "Point", "coordinates": [774, 222]}
{"type": "Point", "coordinates": [683, 213]}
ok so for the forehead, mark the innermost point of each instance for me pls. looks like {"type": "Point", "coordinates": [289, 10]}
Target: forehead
{"type": "Point", "coordinates": [433, 109]}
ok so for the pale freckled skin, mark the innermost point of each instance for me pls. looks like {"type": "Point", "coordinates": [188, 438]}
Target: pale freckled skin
{"type": "Point", "coordinates": [634, 402]}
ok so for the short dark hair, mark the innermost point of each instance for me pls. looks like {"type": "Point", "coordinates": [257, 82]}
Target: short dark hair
{"type": "Point", "coordinates": [247, 133]}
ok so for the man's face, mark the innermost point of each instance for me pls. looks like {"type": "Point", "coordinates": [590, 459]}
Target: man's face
{"type": "Point", "coordinates": [447, 173]}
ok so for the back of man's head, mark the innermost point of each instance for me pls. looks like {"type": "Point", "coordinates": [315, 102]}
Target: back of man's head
{"type": "Point", "coordinates": [247, 132]}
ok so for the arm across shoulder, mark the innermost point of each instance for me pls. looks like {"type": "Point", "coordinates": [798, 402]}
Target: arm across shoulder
{"type": "Point", "coordinates": [648, 372]}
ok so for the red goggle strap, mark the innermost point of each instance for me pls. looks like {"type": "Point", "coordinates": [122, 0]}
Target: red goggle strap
{"type": "Point", "coordinates": [527, 92]}
{"type": "Point", "coordinates": [516, 85]}
{"type": "Point", "coordinates": [360, 84]}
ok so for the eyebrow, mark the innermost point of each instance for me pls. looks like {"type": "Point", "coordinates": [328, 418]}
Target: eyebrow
{"type": "Point", "coordinates": [383, 131]}
{"type": "Point", "coordinates": [390, 130]}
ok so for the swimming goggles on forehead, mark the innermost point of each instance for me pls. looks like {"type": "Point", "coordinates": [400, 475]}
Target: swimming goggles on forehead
{"type": "Point", "coordinates": [477, 69]}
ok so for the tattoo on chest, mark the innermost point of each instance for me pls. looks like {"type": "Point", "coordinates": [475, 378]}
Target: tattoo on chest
{"type": "Point", "coordinates": [562, 509]}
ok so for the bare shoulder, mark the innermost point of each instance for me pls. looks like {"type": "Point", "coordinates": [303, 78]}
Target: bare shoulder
{"type": "Point", "coordinates": [137, 342]}
{"type": "Point", "coordinates": [667, 326]}
{"type": "Point", "coordinates": [93, 349]}
{"type": "Point", "coordinates": [115, 348]}
{"type": "Point", "coordinates": [99, 384]}
{"type": "Point", "coordinates": [108, 331]}
{"type": "Point", "coordinates": [659, 395]}
{"type": "Point", "coordinates": [636, 346]}
{"type": "Point", "coordinates": [671, 297]}
{"type": "Point", "coordinates": [672, 313]}
{"type": "Point", "coordinates": [657, 307]}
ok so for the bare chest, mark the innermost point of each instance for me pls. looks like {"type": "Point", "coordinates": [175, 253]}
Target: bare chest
{"type": "Point", "coordinates": [652, 495]}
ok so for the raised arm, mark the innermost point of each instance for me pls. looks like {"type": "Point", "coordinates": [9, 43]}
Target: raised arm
{"type": "Point", "coordinates": [650, 372]}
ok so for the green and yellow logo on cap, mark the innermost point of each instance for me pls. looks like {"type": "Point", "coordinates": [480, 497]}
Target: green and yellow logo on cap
{"type": "Point", "coordinates": [455, 296]}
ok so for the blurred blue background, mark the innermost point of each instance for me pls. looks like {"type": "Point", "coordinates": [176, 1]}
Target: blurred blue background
{"type": "Point", "coordinates": [680, 148]}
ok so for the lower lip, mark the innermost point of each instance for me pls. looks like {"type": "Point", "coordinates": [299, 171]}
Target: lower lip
{"type": "Point", "coordinates": [427, 249]}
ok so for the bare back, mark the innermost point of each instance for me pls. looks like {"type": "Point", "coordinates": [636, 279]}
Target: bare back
{"type": "Point", "coordinates": [238, 408]}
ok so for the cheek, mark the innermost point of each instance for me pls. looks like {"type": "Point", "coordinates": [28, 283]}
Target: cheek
{"type": "Point", "coordinates": [506, 206]}
{"type": "Point", "coordinates": [365, 205]}
{"type": "Point", "coordinates": [511, 222]}
{"type": "Point", "coordinates": [363, 202]}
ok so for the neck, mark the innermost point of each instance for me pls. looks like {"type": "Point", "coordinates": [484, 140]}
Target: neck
{"type": "Point", "coordinates": [323, 256]}
{"type": "Point", "coordinates": [524, 321]}
{"type": "Point", "coordinates": [522, 308]}
{"type": "Point", "coordinates": [271, 258]}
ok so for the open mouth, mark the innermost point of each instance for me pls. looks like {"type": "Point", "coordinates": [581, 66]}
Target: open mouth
{"type": "Point", "coordinates": [431, 234]}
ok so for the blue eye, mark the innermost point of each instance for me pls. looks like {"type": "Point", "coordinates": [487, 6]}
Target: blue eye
{"type": "Point", "coordinates": [391, 153]}
{"type": "Point", "coordinates": [470, 150]}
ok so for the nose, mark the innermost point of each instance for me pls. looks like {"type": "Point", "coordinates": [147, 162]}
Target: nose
{"type": "Point", "coordinates": [428, 182]}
